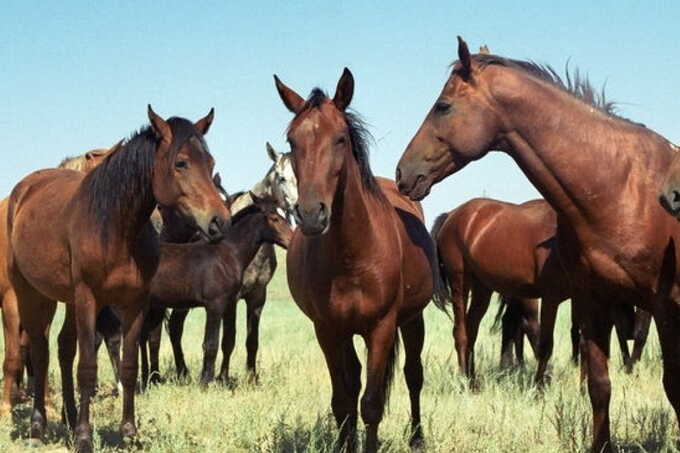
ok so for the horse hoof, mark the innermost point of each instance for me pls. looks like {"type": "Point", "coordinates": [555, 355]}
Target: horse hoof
{"type": "Point", "coordinates": [37, 426]}
{"type": "Point", "coordinates": [417, 443]}
{"type": "Point", "coordinates": [83, 443]}
{"type": "Point", "coordinates": [128, 430]}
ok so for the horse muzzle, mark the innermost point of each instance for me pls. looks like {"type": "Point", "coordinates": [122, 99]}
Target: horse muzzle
{"type": "Point", "coordinates": [313, 219]}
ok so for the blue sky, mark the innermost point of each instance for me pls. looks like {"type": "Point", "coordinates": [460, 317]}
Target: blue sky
{"type": "Point", "coordinates": [78, 75]}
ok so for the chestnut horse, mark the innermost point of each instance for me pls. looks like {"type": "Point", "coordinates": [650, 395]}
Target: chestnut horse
{"type": "Point", "coordinates": [487, 245]}
{"type": "Point", "coordinates": [360, 263]}
{"type": "Point", "coordinates": [103, 251]}
{"type": "Point", "coordinates": [615, 239]}
{"type": "Point", "coordinates": [10, 313]}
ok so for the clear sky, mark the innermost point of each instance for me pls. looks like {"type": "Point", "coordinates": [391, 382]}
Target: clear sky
{"type": "Point", "coordinates": [78, 75]}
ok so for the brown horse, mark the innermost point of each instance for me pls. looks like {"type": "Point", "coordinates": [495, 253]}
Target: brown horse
{"type": "Point", "coordinates": [488, 245]}
{"type": "Point", "coordinates": [615, 239]}
{"type": "Point", "coordinates": [10, 313]}
{"type": "Point", "coordinates": [210, 276]}
{"type": "Point", "coordinates": [103, 251]}
{"type": "Point", "coordinates": [361, 261]}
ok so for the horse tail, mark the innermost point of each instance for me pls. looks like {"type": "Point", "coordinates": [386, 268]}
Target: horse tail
{"type": "Point", "coordinates": [441, 295]}
{"type": "Point", "coordinates": [502, 306]}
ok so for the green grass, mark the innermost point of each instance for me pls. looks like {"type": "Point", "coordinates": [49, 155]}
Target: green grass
{"type": "Point", "coordinates": [289, 410]}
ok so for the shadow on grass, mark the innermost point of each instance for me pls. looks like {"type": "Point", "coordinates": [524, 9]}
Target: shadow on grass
{"type": "Point", "coordinates": [297, 436]}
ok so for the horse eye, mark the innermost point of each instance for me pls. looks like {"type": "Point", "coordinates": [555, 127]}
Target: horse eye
{"type": "Point", "coordinates": [442, 107]}
{"type": "Point", "coordinates": [341, 140]}
{"type": "Point", "coordinates": [181, 164]}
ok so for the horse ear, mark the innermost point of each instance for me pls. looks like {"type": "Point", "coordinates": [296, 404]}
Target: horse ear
{"type": "Point", "coordinates": [344, 90]}
{"type": "Point", "coordinates": [217, 180]}
{"type": "Point", "coordinates": [272, 153]}
{"type": "Point", "coordinates": [484, 50]}
{"type": "Point", "coordinates": [160, 127]}
{"type": "Point", "coordinates": [290, 98]}
{"type": "Point", "coordinates": [204, 123]}
{"type": "Point", "coordinates": [464, 57]}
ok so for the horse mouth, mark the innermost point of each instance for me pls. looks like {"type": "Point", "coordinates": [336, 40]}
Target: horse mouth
{"type": "Point", "coordinates": [418, 190]}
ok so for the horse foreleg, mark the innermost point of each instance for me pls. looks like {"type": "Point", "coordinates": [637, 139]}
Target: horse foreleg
{"type": "Point", "coordinates": [228, 339]}
{"type": "Point", "coordinates": [12, 365]}
{"type": "Point", "coordinates": [255, 302]}
{"type": "Point", "coordinates": [133, 320]}
{"type": "Point", "coordinates": [382, 350]}
{"type": "Point", "coordinates": [622, 326]}
{"type": "Point", "coordinates": [67, 345]}
{"type": "Point", "coordinates": [154, 342]}
{"type": "Point", "coordinates": [549, 308]}
{"type": "Point", "coordinates": [413, 335]}
{"type": "Point", "coordinates": [596, 330]}
{"type": "Point", "coordinates": [345, 372]}
{"type": "Point", "coordinates": [175, 330]}
{"type": "Point", "coordinates": [668, 325]}
{"type": "Point", "coordinates": [213, 316]}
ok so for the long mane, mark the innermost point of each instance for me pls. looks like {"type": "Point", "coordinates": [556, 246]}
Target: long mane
{"type": "Point", "coordinates": [574, 82]}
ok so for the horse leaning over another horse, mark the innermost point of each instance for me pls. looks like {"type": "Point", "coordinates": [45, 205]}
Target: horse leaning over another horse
{"type": "Point", "coordinates": [617, 243]}
{"type": "Point", "coordinates": [360, 263]}
{"type": "Point", "coordinates": [103, 251]}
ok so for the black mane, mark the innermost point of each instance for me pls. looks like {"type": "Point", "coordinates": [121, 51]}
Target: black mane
{"type": "Point", "coordinates": [121, 186]}
{"type": "Point", "coordinates": [574, 83]}
{"type": "Point", "coordinates": [359, 136]}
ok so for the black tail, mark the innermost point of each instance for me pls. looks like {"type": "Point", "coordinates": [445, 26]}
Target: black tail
{"type": "Point", "coordinates": [502, 306]}
{"type": "Point", "coordinates": [442, 286]}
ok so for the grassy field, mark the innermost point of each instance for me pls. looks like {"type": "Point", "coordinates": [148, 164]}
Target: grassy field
{"type": "Point", "coordinates": [289, 410]}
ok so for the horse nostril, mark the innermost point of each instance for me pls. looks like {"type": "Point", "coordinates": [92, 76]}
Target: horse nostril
{"type": "Point", "coordinates": [322, 209]}
{"type": "Point", "coordinates": [676, 196]}
{"type": "Point", "coordinates": [215, 227]}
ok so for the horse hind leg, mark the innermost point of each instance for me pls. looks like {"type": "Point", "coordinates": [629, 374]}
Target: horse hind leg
{"type": "Point", "coordinates": [481, 297]}
{"type": "Point", "coordinates": [13, 364]}
{"type": "Point", "coordinates": [549, 308]}
{"type": "Point", "coordinates": [228, 339]}
{"type": "Point", "coordinates": [510, 329]}
{"type": "Point", "coordinates": [459, 297]}
{"type": "Point", "coordinates": [36, 313]}
{"type": "Point", "coordinates": [643, 319]}
{"type": "Point", "coordinates": [413, 335]}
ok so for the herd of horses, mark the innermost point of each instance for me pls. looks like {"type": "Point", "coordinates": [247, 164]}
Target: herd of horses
{"type": "Point", "coordinates": [125, 234]}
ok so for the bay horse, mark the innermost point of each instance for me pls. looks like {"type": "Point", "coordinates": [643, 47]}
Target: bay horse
{"type": "Point", "coordinates": [361, 261]}
{"type": "Point", "coordinates": [103, 251]}
{"type": "Point", "coordinates": [487, 245]}
{"type": "Point", "coordinates": [614, 237]}
{"type": "Point", "coordinates": [16, 345]}
{"type": "Point", "coordinates": [202, 274]}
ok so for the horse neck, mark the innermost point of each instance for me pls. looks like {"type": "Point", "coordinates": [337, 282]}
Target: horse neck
{"type": "Point", "coordinates": [355, 211]}
{"type": "Point", "coordinates": [580, 159]}
{"type": "Point", "coordinates": [262, 188]}
{"type": "Point", "coordinates": [245, 238]}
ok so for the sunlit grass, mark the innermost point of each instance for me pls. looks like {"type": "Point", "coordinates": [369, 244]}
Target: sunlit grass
{"type": "Point", "coordinates": [289, 409]}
